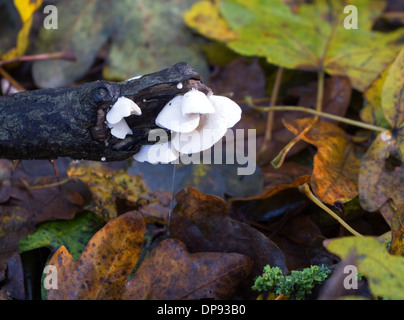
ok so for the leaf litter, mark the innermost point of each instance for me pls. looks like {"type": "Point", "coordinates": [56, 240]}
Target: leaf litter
{"type": "Point", "coordinates": [112, 236]}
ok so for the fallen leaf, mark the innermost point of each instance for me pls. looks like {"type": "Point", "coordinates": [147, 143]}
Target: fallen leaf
{"type": "Point", "coordinates": [397, 232]}
{"type": "Point", "coordinates": [280, 186]}
{"type": "Point", "coordinates": [14, 282]}
{"type": "Point", "coordinates": [336, 99]}
{"type": "Point", "coordinates": [203, 223]}
{"type": "Point", "coordinates": [73, 234]}
{"type": "Point", "coordinates": [205, 16]}
{"type": "Point", "coordinates": [134, 28]}
{"type": "Point", "coordinates": [392, 101]}
{"type": "Point", "coordinates": [380, 177]}
{"type": "Point", "coordinates": [107, 186]}
{"type": "Point", "coordinates": [105, 263]}
{"type": "Point", "coordinates": [384, 272]}
{"type": "Point", "coordinates": [26, 10]}
{"type": "Point", "coordinates": [229, 79]}
{"type": "Point", "coordinates": [170, 272]}
{"type": "Point", "coordinates": [361, 54]}
{"type": "Point", "coordinates": [336, 164]}
{"type": "Point", "coordinates": [24, 209]}
{"type": "Point", "coordinates": [372, 111]}
{"type": "Point", "coordinates": [334, 289]}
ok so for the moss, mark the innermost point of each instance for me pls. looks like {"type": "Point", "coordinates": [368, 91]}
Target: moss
{"type": "Point", "coordinates": [296, 285]}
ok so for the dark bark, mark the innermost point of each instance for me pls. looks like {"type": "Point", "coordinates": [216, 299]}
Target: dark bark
{"type": "Point", "coordinates": [51, 123]}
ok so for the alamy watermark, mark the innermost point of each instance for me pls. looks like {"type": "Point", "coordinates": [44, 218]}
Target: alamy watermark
{"type": "Point", "coordinates": [351, 20]}
{"type": "Point", "coordinates": [351, 280]}
{"type": "Point", "coordinates": [51, 20]}
{"type": "Point", "coordinates": [51, 279]}
{"type": "Point", "coordinates": [234, 151]}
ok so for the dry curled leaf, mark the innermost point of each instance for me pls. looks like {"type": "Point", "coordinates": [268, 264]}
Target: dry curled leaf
{"type": "Point", "coordinates": [336, 164]}
{"type": "Point", "coordinates": [203, 223]}
{"type": "Point", "coordinates": [105, 263]}
{"type": "Point", "coordinates": [170, 272]}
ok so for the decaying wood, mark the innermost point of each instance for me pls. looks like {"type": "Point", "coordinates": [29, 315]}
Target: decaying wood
{"type": "Point", "coordinates": [51, 123]}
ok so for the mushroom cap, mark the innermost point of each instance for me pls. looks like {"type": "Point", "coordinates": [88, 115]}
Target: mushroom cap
{"type": "Point", "coordinates": [122, 108]}
{"type": "Point", "coordinates": [120, 129]}
{"type": "Point", "coordinates": [226, 109]}
{"type": "Point", "coordinates": [172, 118]}
{"type": "Point", "coordinates": [212, 126]}
{"type": "Point", "coordinates": [155, 153]}
{"type": "Point", "coordinates": [208, 133]}
{"type": "Point", "coordinates": [195, 101]}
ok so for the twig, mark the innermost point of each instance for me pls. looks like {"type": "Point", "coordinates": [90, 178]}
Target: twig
{"type": "Point", "coordinates": [65, 55]}
{"type": "Point", "coordinates": [306, 190]}
{"type": "Point", "coordinates": [10, 79]}
{"type": "Point", "coordinates": [277, 162]}
{"type": "Point", "coordinates": [270, 119]}
{"type": "Point", "coordinates": [355, 123]}
{"type": "Point", "coordinates": [49, 185]}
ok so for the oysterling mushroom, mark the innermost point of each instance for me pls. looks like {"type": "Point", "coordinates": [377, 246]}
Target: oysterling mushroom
{"type": "Point", "coordinates": [197, 121]}
{"type": "Point", "coordinates": [122, 108]}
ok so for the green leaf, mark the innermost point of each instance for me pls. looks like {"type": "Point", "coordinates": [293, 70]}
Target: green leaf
{"type": "Point", "coordinates": [372, 111]}
{"type": "Point", "coordinates": [384, 272]}
{"type": "Point", "coordinates": [152, 37]}
{"type": "Point", "coordinates": [381, 175]}
{"type": "Point", "coordinates": [145, 36]}
{"type": "Point", "coordinates": [73, 234]}
{"type": "Point", "coordinates": [393, 100]}
{"type": "Point", "coordinates": [312, 38]}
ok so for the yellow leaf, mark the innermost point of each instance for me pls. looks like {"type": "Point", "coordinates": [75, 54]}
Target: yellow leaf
{"type": "Point", "coordinates": [26, 9]}
{"type": "Point", "coordinates": [205, 17]}
{"type": "Point", "coordinates": [107, 186]}
{"type": "Point", "coordinates": [336, 164]}
{"type": "Point", "coordinates": [384, 272]}
{"type": "Point", "coordinates": [105, 263]}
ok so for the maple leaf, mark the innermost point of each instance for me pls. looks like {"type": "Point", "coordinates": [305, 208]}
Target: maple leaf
{"type": "Point", "coordinates": [312, 37]}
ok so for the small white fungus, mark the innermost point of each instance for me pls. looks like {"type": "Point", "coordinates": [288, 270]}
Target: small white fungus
{"type": "Point", "coordinates": [195, 101]}
{"type": "Point", "coordinates": [122, 108]}
{"type": "Point", "coordinates": [120, 129]}
{"type": "Point", "coordinates": [172, 118]}
{"type": "Point", "coordinates": [197, 122]}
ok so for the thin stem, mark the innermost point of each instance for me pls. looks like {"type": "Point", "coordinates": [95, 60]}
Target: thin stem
{"type": "Point", "coordinates": [278, 161]}
{"type": "Point", "coordinates": [306, 190]}
{"type": "Point", "coordinates": [270, 119]}
{"type": "Point", "coordinates": [66, 55]}
{"type": "Point", "coordinates": [322, 115]}
{"type": "Point", "coordinates": [10, 79]}
{"type": "Point", "coordinates": [49, 185]}
{"type": "Point", "coordinates": [320, 91]}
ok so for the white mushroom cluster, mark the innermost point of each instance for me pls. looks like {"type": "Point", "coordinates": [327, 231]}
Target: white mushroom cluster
{"type": "Point", "coordinates": [196, 120]}
{"type": "Point", "coordinates": [121, 109]}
